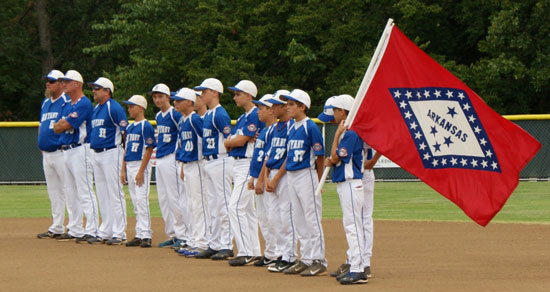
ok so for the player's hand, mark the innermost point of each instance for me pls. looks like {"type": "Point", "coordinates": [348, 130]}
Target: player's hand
{"type": "Point", "coordinates": [328, 162]}
{"type": "Point", "coordinates": [251, 183]}
{"type": "Point", "coordinates": [369, 164]}
{"type": "Point", "coordinates": [181, 174]}
{"type": "Point", "coordinates": [259, 188]}
{"type": "Point", "coordinates": [140, 179]}
{"type": "Point", "coordinates": [271, 185]}
{"type": "Point", "coordinates": [253, 140]}
{"type": "Point", "coordinates": [123, 177]}
{"type": "Point", "coordinates": [341, 127]}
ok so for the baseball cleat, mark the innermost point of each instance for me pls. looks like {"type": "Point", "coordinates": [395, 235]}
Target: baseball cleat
{"type": "Point", "coordinates": [265, 262]}
{"type": "Point", "coordinates": [315, 269]}
{"type": "Point", "coordinates": [354, 278]}
{"type": "Point", "coordinates": [297, 268]}
{"type": "Point", "coordinates": [343, 269]}
{"type": "Point", "coordinates": [134, 242]}
{"type": "Point", "coordinates": [48, 234]}
{"type": "Point", "coordinates": [206, 254]}
{"type": "Point", "coordinates": [280, 266]}
{"type": "Point", "coordinates": [178, 243]}
{"type": "Point", "coordinates": [96, 240]}
{"type": "Point", "coordinates": [223, 254]}
{"type": "Point", "coordinates": [84, 239]}
{"type": "Point", "coordinates": [243, 260]}
{"type": "Point", "coordinates": [66, 237]}
{"type": "Point", "coordinates": [146, 242]}
{"type": "Point", "coordinates": [167, 243]}
{"type": "Point", "coordinates": [115, 241]}
{"type": "Point", "coordinates": [367, 272]}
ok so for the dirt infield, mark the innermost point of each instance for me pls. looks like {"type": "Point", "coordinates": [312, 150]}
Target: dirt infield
{"type": "Point", "coordinates": [408, 256]}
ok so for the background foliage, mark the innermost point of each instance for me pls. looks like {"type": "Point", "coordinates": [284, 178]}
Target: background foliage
{"type": "Point", "coordinates": [501, 49]}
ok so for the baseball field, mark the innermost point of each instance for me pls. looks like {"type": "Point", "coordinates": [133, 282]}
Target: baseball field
{"type": "Point", "coordinates": [422, 242]}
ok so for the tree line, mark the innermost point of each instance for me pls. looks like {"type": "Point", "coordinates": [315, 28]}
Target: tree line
{"type": "Point", "coordinates": [501, 49]}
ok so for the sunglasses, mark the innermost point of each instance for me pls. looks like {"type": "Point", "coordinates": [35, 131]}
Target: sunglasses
{"type": "Point", "coordinates": [96, 88]}
{"type": "Point", "coordinates": [51, 81]}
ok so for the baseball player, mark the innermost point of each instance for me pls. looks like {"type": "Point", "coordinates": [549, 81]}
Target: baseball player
{"type": "Point", "coordinates": [72, 127]}
{"type": "Point", "coordinates": [218, 168]}
{"type": "Point", "coordinates": [192, 172]}
{"type": "Point", "coordinates": [136, 169]}
{"type": "Point", "coordinates": [304, 166]}
{"type": "Point", "coordinates": [52, 156]}
{"type": "Point", "coordinates": [276, 182]}
{"type": "Point", "coordinates": [241, 205]}
{"type": "Point", "coordinates": [347, 159]}
{"type": "Point", "coordinates": [256, 182]}
{"type": "Point", "coordinates": [108, 124]}
{"type": "Point", "coordinates": [166, 167]}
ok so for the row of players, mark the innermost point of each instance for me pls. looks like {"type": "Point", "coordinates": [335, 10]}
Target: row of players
{"type": "Point", "coordinates": [215, 182]}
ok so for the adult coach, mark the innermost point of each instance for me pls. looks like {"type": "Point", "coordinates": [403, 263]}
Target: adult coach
{"type": "Point", "coordinates": [52, 156]}
{"type": "Point", "coordinates": [108, 123]}
{"type": "Point", "coordinates": [72, 127]}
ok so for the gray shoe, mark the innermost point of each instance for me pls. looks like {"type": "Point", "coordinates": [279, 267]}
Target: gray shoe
{"type": "Point", "coordinates": [84, 239]}
{"type": "Point", "coordinates": [297, 268]}
{"type": "Point", "coordinates": [146, 242]}
{"type": "Point", "coordinates": [96, 240]}
{"type": "Point", "coordinates": [223, 254]}
{"type": "Point", "coordinates": [367, 272]}
{"type": "Point", "coordinates": [134, 242]}
{"type": "Point", "coordinates": [343, 269]}
{"type": "Point", "coordinates": [354, 278]}
{"type": "Point", "coordinates": [66, 237]}
{"type": "Point", "coordinates": [115, 241]}
{"type": "Point", "coordinates": [315, 269]}
{"type": "Point", "coordinates": [242, 261]}
{"type": "Point", "coordinates": [48, 234]}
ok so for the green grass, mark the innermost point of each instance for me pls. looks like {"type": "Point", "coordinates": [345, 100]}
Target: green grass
{"type": "Point", "coordinates": [530, 203]}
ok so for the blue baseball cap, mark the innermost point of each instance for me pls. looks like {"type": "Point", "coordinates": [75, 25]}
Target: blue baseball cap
{"type": "Point", "coordinates": [328, 113]}
{"type": "Point", "coordinates": [264, 100]}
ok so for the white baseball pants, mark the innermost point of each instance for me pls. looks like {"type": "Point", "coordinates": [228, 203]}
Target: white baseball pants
{"type": "Point", "coordinates": [54, 172]}
{"type": "Point", "coordinates": [89, 201]}
{"type": "Point", "coordinates": [367, 222]}
{"type": "Point", "coordinates": [269, 219]}
{"type": "Point", "coordinates": [183, 198]}
{"type": "Point", "coordinates": [351, 196]}
{"type": "Point", "coordinates": [140, 198]}
{"type": "Point", "coordinates": [75, 184]}
{"type": "Point", "coordinates": [166, 174]}
{"type": "Point", "coordinates": [287, 240]}
{"type": "Point", "coordinates": [193, 180]}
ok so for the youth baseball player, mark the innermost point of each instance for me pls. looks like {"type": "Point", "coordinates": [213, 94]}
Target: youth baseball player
{"type": "Point", "coordinates": [218, 168]}
{"type": "Point", "coordinates": [304, 166]}
{"type": "Point", "coordinates": [276, 182]}
{"type": "Point", "coordinates": [108, 124]}
{"type": "Point", "coordinates": [136, 168]}
{"type": "Point", "coordinates": [72, 127]}
{"type": "Point", "coordinates": [192, 172]}
{"type": "Point", "coordinates": [166, 167]}
{"type": "Point", "coordinates": [256, 183]}
{"type": "Point", "coordinates": [52, 157]}
{"type": "Point", "coordinates": [347, 159]}
{"type": "Point", "coordinates": [241, 206]}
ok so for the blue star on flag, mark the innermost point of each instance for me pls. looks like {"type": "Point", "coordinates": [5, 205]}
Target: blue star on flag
{"type": "Point", "coordinates": [437, 146]}
{"type": "Point", "coordinates": [448, 141]}
{"type": "Point", "coordinates": [451, 112]}
{"type": "Point", "coordinates": [433, 131]}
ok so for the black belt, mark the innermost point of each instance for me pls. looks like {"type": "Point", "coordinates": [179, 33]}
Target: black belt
{"type": "Point", "coordinates": [240, 157]}
{"type": "Point", "coordinates": [211, 157]}
{"type": "Point", "coordinates": [70, 146]}
{"type": "Point", "coordinates": [99, 150]}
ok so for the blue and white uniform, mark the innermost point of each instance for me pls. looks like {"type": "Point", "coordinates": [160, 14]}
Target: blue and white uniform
{"type": "Point", "coordinates": [368, 224]}
{"type": "Point", "coordinates": [52, 160]}
{"type": "Point", "coordinates": [348, 174]}
{"type": "Point", "coordinates": [80, 196]}
{"type": "Point", "coordinates": [304, 143]}
{"type": "Point", "coordinates": [139, 136]}
{"type": "Point", "coordinates": [108, 123]}
{"type": "Point", "coordinates": [190, 139]}
{"type": "Point", "coordinates": [284, 223]}
{"type": "Point", "coordinates": [219, 172]}
{"type": "Point", "coordinates": [166, 173]}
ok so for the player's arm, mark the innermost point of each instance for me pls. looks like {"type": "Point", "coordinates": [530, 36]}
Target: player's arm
{"type": "Point", "coordinates": [272, 184]}
{"type": "Point", "coordinates": [259, 188]}
{"type": "Point", "coordinates": [334, 158]}
{"type": "Point", "coordinates": [140, 177]}
{"type": "Point", "coordinates": [123, 179]}
{"type": "Point", "coordinates": [237, 141]}
{"type": "Point", "coordinates": [369, 164]}
{"type": "Point", "coordinates": [61, 126]}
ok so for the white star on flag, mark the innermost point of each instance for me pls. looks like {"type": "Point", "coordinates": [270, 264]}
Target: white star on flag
{"type": "Point", "coordinates": [408, 94]}
{"type": "Point", "coordinates": [472, 118]}
{"type": "Point", "coordinates": [402, 105]}
{"type": "Point", "coordinates": [464, 162]}
{"type": "Point", "coordinates": [461, 95]}
{"type": "Point", "coordinates": [453, 161]}
{"type": "Point", "coordinates": [494, 165]}
{"type": "Point", "coordinates": [418, 135]}
{"type": "Point", "coordinates": [443, 161]}
{"type": "Point", "coordinates": [474, 163]}
{"type": "Point", "coordinates": [426, 93]}
{"type": "Point", "coordinates": [422, 146]}
{"type": "Point", "coordinates": [477, 130]}
{"type": "Point", "coordinates": [397, 94]}
{"type": "Point", "coordinates": [418, 94]}
{"type": "Point", "coordinates": [484, 163]}
{"type": "Point", "coordinates": [449, 94]}
{"type": "Point", "coordinates": [482, 141]}
{"type": "Point", "coordinates": [466, 107]}
{"type": "Point", "coordinates": [414, 125]}
{"type": "Point", "coordinates": [434, 162]}
{"type": "Point", "coordinates": [488, 153]}
{"type": "Point", "coordinates": [426, 156]}
{"type": "Point", "coordinates": [437, 93]}
{"type": "Point", "coordinates": [408, 115]}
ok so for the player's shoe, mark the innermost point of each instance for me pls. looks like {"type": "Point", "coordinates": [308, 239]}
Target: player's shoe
{"type": "Point", "coordinates": [367, 272]}
{"type": "Point", "coordinates": [280, 266]}
{"type": "Point", "coordinates": [96, 240]}
{"type": "Point", "coordinates": [223, 254]}
{"type": "Point", "coordinates": [178, 243]}
{"type": "Point", "coordinates": [66, 237]}
{"type": "Point", "coordinates": [184, 251]}
{"type": "Point", "coordinates": [265, 262]}
{"type": "Point", "coordinates": [343, 269]}
{"type": "Point", "coordinates": [243, 260]}
{"type": "Point", "coordinates": [297, 268]}
{"type": "Point", "coordinates": [146, 242]}
{"type": "Point", "coordinates": [115, 241]}
{"type": "Point", "coordinates": [315, 269]}
{"type": "Point", "coordinates": [167, 243]}
{"type": "Point", "coordinates": [193, 252]}
{"type": "Point", "coordinates": [48, 234]}
{"type": "Point", "coordinates": [84, 239]}
{"type": "Point", "coordinates": [354, 278]}
{"type": "Point", "coordinates": [134, 242]}
{"type": "Point", "coordinates": [206, 254]}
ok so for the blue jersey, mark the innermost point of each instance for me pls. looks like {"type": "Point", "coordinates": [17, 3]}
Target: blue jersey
{"type": "Point", "coordinates": [167, 128]}
{"type": "Point", "coordinates": [304, 143]}
{"type": "Point", "coordinates": [189, 138]}
{"type": "Point", "coordinates": [277, 148]}
{"type": "Point", "coordinates": [50, 113]}
{"type": "Point", "coordinates": [350, 152]}
{"type": "Point", "coordinates": [78, 115]}
{"type": "Point", "coordinates": [108, 123]}
{"type": "Point", "coordinates": [216, 128]}
{"type": "Point", "coordinates": [248, 124]}
{"type": "Point", "coordinates": [139, 135]}
{"type": "Point", "coordinates": [260, 149]}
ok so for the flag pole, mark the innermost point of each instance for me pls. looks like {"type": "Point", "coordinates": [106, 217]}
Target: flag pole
{"type": "Point", "coordinates": [382, 43]}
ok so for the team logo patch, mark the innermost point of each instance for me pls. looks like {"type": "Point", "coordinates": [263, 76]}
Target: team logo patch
{"type": "Point", "coordinates": [252, 128]}
{"type": "Point", "coordinates": [445, 128]}
{"type": "Point", "coordinates": [149, 141]}
{"type": "Point", "coordinates": [73, 115]}
{"type": "Point", "coordinates": [343, 152]}
{"type": "Point", "coordinates": [123, 123]}
{"type": "Point", "coordinates": [227, 130]}
{"type": "Point", "coordinates": [317, 146]}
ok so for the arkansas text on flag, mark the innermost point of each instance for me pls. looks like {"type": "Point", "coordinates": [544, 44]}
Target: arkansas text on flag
{"type": "Point", "coordinates": [430, 123]}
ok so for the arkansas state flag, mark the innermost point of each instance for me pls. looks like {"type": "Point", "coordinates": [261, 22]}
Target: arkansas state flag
{"type": "Point", "coordinates": [426, 120]}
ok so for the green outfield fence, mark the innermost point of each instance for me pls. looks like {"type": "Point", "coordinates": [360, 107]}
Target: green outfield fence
{"type": "Point", "coordinates": [21, 161]}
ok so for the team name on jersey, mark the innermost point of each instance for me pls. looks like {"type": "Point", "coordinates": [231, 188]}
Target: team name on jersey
{"type": "Point", "coordinates": [98, 123]}
{"type": "Point", "coordinates": [260, 144]}
{"type": "Point", "coordinates": [278, 142]}
{"type": "Point", "coordinates": [207, 132]}
{"type": "Point", "coordinates": [295, 144]}
{"type": "Point", "coordinates": [133, 137]}
{"type": "Point", "coordinates": [186, 135]}
{"type": "Point", "coordinates": [163, 129]}
{"type": "Point", "coordinates": [49, 116]}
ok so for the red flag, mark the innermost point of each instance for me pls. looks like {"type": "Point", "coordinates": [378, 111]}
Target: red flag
{"type": "Point", "coordinates": [426, 120]}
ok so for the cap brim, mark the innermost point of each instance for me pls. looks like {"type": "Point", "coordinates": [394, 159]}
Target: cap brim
{"type": "Point", "coordinates": [235, 89]}
{"type": "Point", "coordinates": [274, 101]}
{"type": "Point", "coordinates": [128, 102]}
{"type": "Point", "coordinates": [200, 88]}
{"type": "Point", "coordinates": [48, 78]}
{"type": "Point", "coordinates": [260, 103]}
{"type": "Point", "coordinates": [325, 118]}
{"type": "Point", "coordinates": [177, 97]}
{"type": "Point", "coordinates": [151, 93]}
{"type": "Point", "coordinates": [91, 84]}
